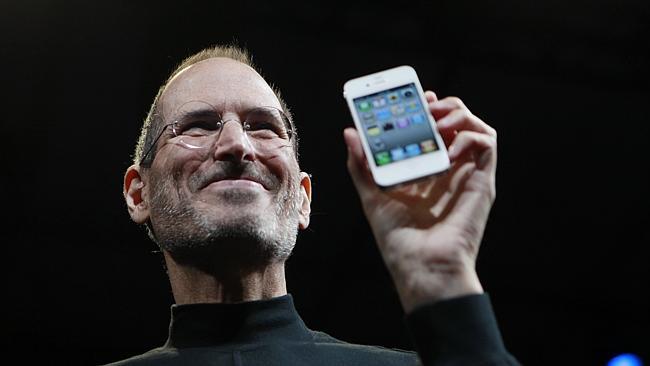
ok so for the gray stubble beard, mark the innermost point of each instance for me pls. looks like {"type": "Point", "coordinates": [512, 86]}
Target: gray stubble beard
{"type": "Point", "coordinates": [237, 242]}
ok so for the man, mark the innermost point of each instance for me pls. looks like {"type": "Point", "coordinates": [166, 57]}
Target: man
{"type": "Point", "coordinates": [217, 183]}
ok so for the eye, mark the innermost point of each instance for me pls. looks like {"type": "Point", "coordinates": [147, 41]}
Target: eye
{"type": "Point", "coordinates": [265, 129]}
{"type": "Point", "coordinates": [261, 125]}
{"type": "Point", "coordinates": [198, 127]}
{"type": "Point", "coordinates": [265, 123]}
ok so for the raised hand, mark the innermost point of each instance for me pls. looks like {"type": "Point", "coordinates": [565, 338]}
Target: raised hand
{"type": "Point", "coordinates": [429, 232]}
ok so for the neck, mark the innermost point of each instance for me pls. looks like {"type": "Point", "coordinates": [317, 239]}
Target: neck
{"type": "Point", "coordinates": [191, 285]}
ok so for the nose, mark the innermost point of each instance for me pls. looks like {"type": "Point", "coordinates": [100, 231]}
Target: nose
{"type": "Point", "coordinates": [233, 143]}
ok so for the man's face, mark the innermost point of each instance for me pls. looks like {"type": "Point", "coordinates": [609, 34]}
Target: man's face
{"type": "Point", "coordinates": [237, 197]}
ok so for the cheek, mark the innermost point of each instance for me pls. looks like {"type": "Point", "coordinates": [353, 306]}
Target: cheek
{"type": "Point", "coordinates": [172, 173]}
{"type": "Point", "coordinates": [283, 165]}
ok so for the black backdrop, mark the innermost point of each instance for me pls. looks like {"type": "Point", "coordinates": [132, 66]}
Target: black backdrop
{"type": "Point", "coordinates": [565, 84]}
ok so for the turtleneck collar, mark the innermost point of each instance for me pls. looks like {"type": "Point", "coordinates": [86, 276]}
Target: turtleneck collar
{"type": "Point", "coordinates": [263, 321]}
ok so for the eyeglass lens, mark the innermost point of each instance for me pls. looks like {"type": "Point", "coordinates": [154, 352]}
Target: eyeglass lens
{"type": "Point", "coordinates": [197, 121]}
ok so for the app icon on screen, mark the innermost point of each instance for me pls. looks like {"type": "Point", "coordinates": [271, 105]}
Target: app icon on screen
{"type": "Point", "coordinates": [368, 117]}
{"type": "Point", "coordinates": [393, 98]}
{"type": "Point", "coordinates": [382, 114]}
{"type": "Point", "coordinates": [373, 130]}
{"type": "Point", "coordinates": [397, 110]}
{"type": "Point", "coordinates": [389, 126]}
{"type": "Point", "coordinates": [412, 150]}
{"type": "Point", "coordinates": [402, 122]}
{"type": "Point", "coordinates": [379, 102]}
{"type": "Point", "coordinates": [382, 158]}
{"type": "Point", "coordinates": [412, 106]}
{"type": "Point", "coordinates": [397, 153]}
{"type": "Point", "coordinates": [417, 119]}
{"type": "Point", "coordinates": [408, 93]}
{"type": "Point", "coordinates": [364, 106]}
{"type": "Point", "coordinates": [378, 144]}
{"type": "Point", "coordinates": [428, 145]}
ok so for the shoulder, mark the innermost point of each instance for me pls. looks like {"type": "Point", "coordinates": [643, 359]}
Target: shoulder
{"type": "Point", "coordinates": [156, 356]}
{"type": "Point", "coordinates": [371, 354]}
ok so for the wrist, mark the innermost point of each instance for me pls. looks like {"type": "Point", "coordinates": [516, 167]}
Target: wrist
{"type": "Point", "coordinates": [418, 289]}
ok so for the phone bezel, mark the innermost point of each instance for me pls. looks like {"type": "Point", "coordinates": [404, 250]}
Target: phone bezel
{"type": "Point", "coordinates": [407, 170]}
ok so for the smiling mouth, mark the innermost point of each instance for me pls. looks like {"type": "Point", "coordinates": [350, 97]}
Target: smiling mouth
{"type": "Point", "coordinates": [236, 183]}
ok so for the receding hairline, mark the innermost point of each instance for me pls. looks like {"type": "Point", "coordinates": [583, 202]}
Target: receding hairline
{"type": "Point", "coordinates": [151, 126]}
{"type": "Point", "coordinates": [201, 63]}
{"type": "Point", "coordinates": [196, 64]}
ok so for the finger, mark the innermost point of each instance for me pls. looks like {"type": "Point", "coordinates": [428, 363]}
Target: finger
{"type": "Point", "coordinates": [481, 147]}
{"type": "Point", "coordinates": [463, 119]}
{"type": "Point", "coordinates": [430, 96]}
{"type": "Point", "coordinates": [448, 136]}
{"type": "Point", "coordinates": [442, 107]}
{"type": "Point", "coordinates": [357, 164]}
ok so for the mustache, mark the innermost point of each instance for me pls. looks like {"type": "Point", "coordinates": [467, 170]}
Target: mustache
{"type": "Point", "coordinates": [236, 170]}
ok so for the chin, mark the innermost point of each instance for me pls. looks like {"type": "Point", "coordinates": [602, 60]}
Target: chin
{"type": "Point", "coordinates": [238, 224]}
{"type": "Point", "coordinates": [244, 238]}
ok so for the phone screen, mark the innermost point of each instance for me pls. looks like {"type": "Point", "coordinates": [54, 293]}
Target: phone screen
{"type": "Point", "coordinates": [395, 124]}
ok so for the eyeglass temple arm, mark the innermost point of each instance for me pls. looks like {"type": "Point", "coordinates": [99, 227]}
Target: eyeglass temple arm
{"type": "Point", "coordinates": [153, 144]}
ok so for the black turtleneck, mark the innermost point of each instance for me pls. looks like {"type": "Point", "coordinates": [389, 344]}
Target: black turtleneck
{"type": "Point", "coordinates": [270, 332]}
{"type": "Point", "coordinates": [233, 325]}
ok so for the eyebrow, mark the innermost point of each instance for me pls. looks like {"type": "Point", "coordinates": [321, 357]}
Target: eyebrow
{"type": "Point", "coordinates": [207, 112]}
{"type": "Point", "coordinates": [198, 113]}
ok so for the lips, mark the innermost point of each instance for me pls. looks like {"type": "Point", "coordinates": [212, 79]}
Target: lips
{"type": "Point", "coordinates": [226, 173]}
{"type": "Point", "coordinates": [234, 182]}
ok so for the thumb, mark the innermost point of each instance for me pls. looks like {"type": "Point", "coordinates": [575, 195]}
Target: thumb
{"type": "Point", "coordinates": [357, 164]}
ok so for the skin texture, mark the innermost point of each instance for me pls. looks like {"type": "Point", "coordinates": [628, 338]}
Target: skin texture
{"type": "Point", "coordinates": [226, 217]}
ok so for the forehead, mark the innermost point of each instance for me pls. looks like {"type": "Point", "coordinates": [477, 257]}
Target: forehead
{"type": "Point", "coordinates": [226, 84]}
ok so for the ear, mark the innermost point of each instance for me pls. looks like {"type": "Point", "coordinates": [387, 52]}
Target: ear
{"type": "Point", "coordinates": [133, 194]}
{"type": "Point", "coordinates": [305, 204]}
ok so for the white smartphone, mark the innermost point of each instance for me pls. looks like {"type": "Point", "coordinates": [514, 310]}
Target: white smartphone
{"type": "Point", "coordinates": [398, 133]}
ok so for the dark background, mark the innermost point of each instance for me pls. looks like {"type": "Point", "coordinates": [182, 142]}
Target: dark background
{"type": "Point", "coordinates": [565, 83]}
